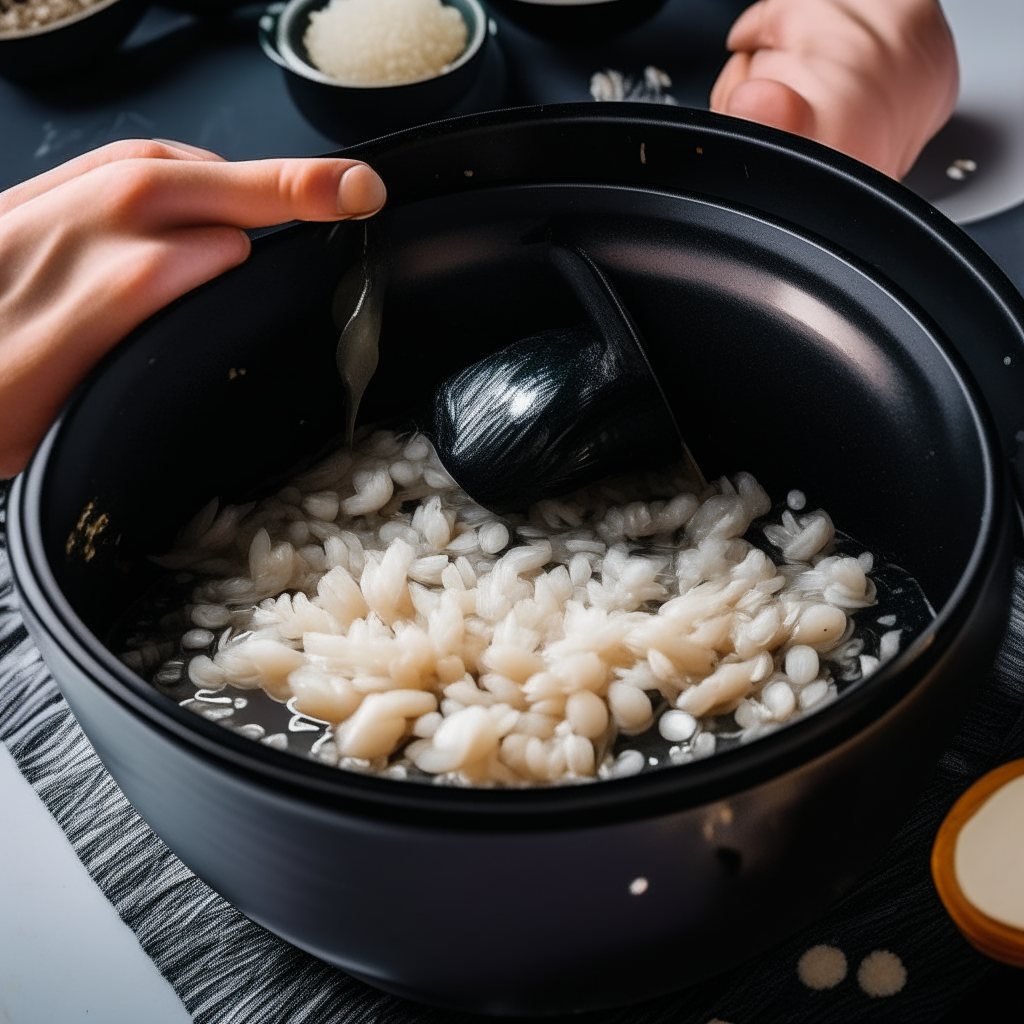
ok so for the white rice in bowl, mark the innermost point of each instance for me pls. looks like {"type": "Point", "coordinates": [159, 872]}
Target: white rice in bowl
{"type": "Point", "coordinates": [415, 634]}
{"type": "Point", "coordinates": [385, 42]}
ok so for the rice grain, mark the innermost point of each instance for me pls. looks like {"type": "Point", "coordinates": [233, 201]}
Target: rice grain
{"type": "Point", "coordinates": [439, 640]}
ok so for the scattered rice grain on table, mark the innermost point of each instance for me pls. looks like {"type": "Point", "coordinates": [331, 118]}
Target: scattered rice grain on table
{"type": "Point", "coordinates": [385, 42]}
{"type": "Point", "coordinates": [434, 636]}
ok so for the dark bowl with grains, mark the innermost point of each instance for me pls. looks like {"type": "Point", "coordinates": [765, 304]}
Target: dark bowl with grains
{"type": "Point", "coordinates": [42, 39]}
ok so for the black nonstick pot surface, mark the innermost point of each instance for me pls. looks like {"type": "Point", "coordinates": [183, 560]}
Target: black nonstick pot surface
{"type": "Point", "coordinates": [810, 321]}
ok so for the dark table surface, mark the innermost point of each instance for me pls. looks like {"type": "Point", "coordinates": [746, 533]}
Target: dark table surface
{"type": "Point", "coordinates": [205, 81]}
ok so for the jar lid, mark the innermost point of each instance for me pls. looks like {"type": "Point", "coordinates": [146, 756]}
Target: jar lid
{"type": "Point", "coordinates": [976, 860]}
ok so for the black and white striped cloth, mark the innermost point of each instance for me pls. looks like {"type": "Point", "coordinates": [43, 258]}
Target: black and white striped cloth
{"type": "Point", "coordinates": [228, 970]}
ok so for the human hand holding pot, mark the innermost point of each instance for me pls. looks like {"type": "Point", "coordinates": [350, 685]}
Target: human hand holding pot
{"type": "Point", "coordinates": [91, 249]}
{"type": "Point", "coordinates": [875, 79]}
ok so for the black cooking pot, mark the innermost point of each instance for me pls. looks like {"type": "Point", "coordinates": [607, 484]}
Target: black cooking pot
{"type": "Point", "coordinates": [811, 321]}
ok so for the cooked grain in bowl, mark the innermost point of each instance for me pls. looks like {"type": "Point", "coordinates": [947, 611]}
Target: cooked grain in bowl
{"type": "Point", "coordinates": [416, 634]}
{"type": "Point", "coordinates": [385, 42]}
{"type": "Point", "coordinates": [18, 16]}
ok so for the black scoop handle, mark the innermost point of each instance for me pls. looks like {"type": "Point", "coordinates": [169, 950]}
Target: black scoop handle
{"type": "Point", "coordinates": [552, 413]}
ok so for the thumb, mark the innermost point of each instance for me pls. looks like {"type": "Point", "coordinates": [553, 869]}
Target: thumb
{"type": "Point", "coordinates": [772, 103]}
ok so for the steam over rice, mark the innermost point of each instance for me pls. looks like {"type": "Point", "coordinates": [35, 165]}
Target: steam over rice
{"type": "Point", "coordinates": [385, 42]}
{"type": "Point", "coordinates": [438, 638]}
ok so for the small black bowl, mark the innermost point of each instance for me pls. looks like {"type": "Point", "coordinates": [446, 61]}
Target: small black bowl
{"type": "Point", "coordinates": [69, 45]}
{"type": "Point", "coordinates": [810, 321]}
{"type": "Point", "coordinates": [580, 21]}
{"type": "Point", "coordinates": [336, 108]}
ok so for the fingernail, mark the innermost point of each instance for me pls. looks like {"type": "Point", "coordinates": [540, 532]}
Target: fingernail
{"type": "Point", "coordinates": [361, 192]}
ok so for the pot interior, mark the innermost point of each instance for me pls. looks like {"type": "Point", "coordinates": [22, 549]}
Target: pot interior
{"type": "Point", "coordinates": [778, 355]}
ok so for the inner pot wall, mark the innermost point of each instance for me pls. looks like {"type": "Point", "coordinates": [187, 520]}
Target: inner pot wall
{"type": "Point", "coordinates": [778, 357]}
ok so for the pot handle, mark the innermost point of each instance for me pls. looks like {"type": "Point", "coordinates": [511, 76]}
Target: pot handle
{"type": "Point", "coordinates": [267, 28]}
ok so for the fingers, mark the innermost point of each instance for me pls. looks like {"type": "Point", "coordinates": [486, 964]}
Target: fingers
{"type": "Point", "coordinates": [101, 294]}
{"type": "Point", "coordinates": [156, 195]}
{"type": "Point", "coordinates": [156, 271]}
{"type": "Point", "coordinates": [361, 191]}
{"type": "Point", "coordinates": [736, 70]}
{"type": "Point", "coordinates": [750, 30]}
{"type": "Point", "coordinates": [127, 149]}
{"type": "Point", "coordinates": [189, 149]}
{"type": "Point", "coordinates": [772, 103]}
{"type": "Point", "coordinates": [160, 184]}
{"type": "Point", "coordinates": [93, 248]}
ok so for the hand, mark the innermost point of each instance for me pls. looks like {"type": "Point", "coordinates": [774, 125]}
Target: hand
{"type": "Point", "coordinates": [875, 79]}
{"type": "Point", "coordinates": [92, 248]}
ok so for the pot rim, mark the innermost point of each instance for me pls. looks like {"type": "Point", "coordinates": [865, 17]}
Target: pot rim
{"type": "Point", "coordinates": [670, 788]}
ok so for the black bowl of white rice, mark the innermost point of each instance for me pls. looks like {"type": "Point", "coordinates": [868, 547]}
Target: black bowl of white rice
{"type": "Point", "coordinates": [812, 324]}
{"type": "Point", "coordinates": [375, 65]}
